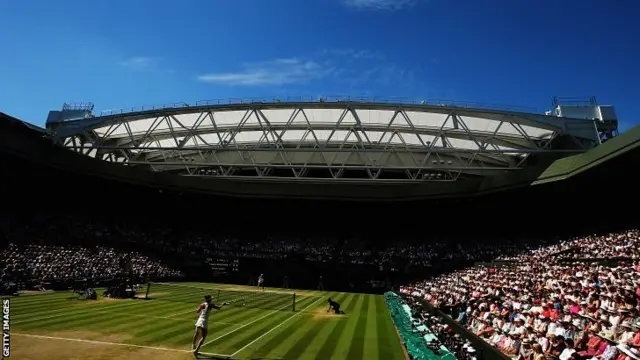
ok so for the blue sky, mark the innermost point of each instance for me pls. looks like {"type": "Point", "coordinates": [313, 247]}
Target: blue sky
{"type": "Point", "coordinates": [119, 54]}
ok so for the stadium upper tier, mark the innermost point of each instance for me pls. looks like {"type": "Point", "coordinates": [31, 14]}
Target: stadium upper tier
{"type": "Point", "coordinates": [324, 139]}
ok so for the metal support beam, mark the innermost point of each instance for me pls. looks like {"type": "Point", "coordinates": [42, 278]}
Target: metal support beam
{"type": "Point", "coordinates": [269, 138]}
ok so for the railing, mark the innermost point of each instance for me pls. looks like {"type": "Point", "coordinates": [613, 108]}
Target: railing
{"type": "Point", "coordinates": [77, 106]}
{"type": "Point", "coordinates": [324, 99]}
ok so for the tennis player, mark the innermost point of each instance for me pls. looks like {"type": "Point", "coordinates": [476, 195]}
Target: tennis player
{"type": "Point", "coordinates": [203, 322]}
{"type": "Point", "coordinates": [261, 282]}
{"type": "Point", "coordinates": [335, 306]}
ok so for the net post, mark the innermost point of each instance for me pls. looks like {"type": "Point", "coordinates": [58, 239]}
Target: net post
{"type": "Point", "coordinates": [293, 305]}
{"type": "Point", "coordinates": [146, 295]}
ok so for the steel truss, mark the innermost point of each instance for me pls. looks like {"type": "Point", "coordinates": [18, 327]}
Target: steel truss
{"type": "Point", "coordinates": [358, 150]}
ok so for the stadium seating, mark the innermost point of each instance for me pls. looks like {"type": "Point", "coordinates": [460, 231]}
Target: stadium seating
{"type": "Point", "coordinates": [513, 293]}
{"type": "Point", "coordinates": [579, 296]}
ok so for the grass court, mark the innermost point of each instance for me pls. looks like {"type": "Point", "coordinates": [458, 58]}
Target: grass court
{"type": "Point", "coordinates": [54, 326]}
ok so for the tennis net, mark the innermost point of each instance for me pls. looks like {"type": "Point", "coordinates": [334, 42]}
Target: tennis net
{"type": "Point", "coordinates": [250, 299]}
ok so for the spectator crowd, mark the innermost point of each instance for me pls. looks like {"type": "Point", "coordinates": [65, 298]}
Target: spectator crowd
{"type": "Point", "coordinates": [51, 247]}
{"type": "Point", "coordinates": [35, 264]}
{"type": "Point", "coordinates": [577, 299]}
{"type": "Point", "coordinates": [445, 336]}
{"type": "Point", "coordinates": [564, 300]}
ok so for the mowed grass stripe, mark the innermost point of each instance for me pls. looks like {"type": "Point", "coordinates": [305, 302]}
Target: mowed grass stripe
{"type": "Point", "coordinates": [184, 293]}
{"type": "Point", "coordinates": [99, 320]}
{"type": "Point", "coordinates": [88, 307]}
{"type": "Point", "coordinates": [39, 302]}
{"type": "Point", "coordinates": [285, 321]}
{"type": "Point", "coordinates": [176, 336]}
{"type": "Point", "coordinates": [370, 334]}
{"type": "Point", "coordinates": [90, 310]}
{"type": "Point", "coordinates": [330, 345]}
{"type": "Point", "coordinates": [151, 334]}
{"type": "Point", "coordinates": [153, 330]}
{"type": "Point", "coordinates": [355, 341]}
{"type": "Point", "coordinates": [232, 287]}
{"type": "Point", "coordinates": [141, 328]}
{"type": "Point", "coordinates": [103, 321]}
{"type": "Point", "coordinates": [245, 335]}
{"type": "Point", "coordinates": [34, 298]}
{"type": "Point", "coordinates": [366, 332]}
{"type": "Point", "coordinates": [290, 334]}
{"type": "Point", "coordinates": [72, 315]}
{"type": "Point", "coordinates": [43, 306]}
{"type": "Point", "coordinates": [315, 337]}
{"type": "Point", "coordinates": [33, 303]}
{"type": "Point", "coordinates": [100, 310]}
{"type": "Point", "coordinates": [267, 302]}
{"type": "Point", "coordinates": [389, 346]}
{"type": "Point", "coordinates": [254, 300]}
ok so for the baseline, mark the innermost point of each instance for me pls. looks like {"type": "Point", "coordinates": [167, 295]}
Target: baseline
{"type": "Point", "coordinates": [97, 342]}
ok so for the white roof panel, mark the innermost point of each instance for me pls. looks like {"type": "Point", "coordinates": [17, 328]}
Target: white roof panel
{"type": "Point", "coordinates": [295, 135]}
{"type": "Point", "coordinates": [375, 117]}
{"type": "Point", "coordinates": [227, 121]}
{"type": "Point", "coordinates": [426, 120]}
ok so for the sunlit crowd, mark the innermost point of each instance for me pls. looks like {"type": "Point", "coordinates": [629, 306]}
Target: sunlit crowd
{"type": "Point", "coordinates": [574, 300]}
{"type": "Point", "coordinates": [562, 299]}
{"type": "Point", "coordinates": [34, 264]}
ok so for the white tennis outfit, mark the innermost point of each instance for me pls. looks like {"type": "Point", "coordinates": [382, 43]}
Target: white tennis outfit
{"type": "Point", "coordinates": [203, 317]}
{"type": "Point", "coordinates": [260, 280]}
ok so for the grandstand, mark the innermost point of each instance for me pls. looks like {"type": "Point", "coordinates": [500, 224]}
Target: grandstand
{"type": "Point", "coordinates": [516, 227]}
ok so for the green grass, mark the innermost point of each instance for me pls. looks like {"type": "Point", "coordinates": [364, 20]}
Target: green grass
{"type": "Point", "coordinates": [365, 332]}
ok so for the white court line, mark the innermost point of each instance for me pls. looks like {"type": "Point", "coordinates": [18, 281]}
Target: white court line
{"type": "Point", "coordinates": [275, 327]}
{"type": "Point", "coordinates": [243, 326]}
{"type": "Point", "coordinates": [112, 344]}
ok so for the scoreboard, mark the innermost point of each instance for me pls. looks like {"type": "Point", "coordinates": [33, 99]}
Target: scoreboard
{"type": "Point", "coordinates": [222, 266]}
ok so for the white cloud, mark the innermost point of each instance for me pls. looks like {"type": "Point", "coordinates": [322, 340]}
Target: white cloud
{"type": "Point", "coordinates": [380, 4]}
{"type": "Point", "coordinates": [354, 54]}
{"type": "Point", "coordinates": [329, 67]}
{"type": "Point", "coordinates": [274, 72]}
{"type": "Point", "coordinates": [141, 63]}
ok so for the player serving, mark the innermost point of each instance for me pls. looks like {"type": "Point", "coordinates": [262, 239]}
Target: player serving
{"type": "Point", "coordinates": [261, 282]}
{"type": "Point", "coordinates": [203, 322]}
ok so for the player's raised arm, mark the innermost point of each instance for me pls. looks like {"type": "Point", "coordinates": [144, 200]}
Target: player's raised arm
{"type": "Point", "coordinates": [200, 308]}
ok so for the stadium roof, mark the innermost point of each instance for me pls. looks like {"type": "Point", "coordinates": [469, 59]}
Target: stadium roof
{"type": "Point", "coordinates": [27, 143]}
{"type": "Point", "coordinates": [416, 139]}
